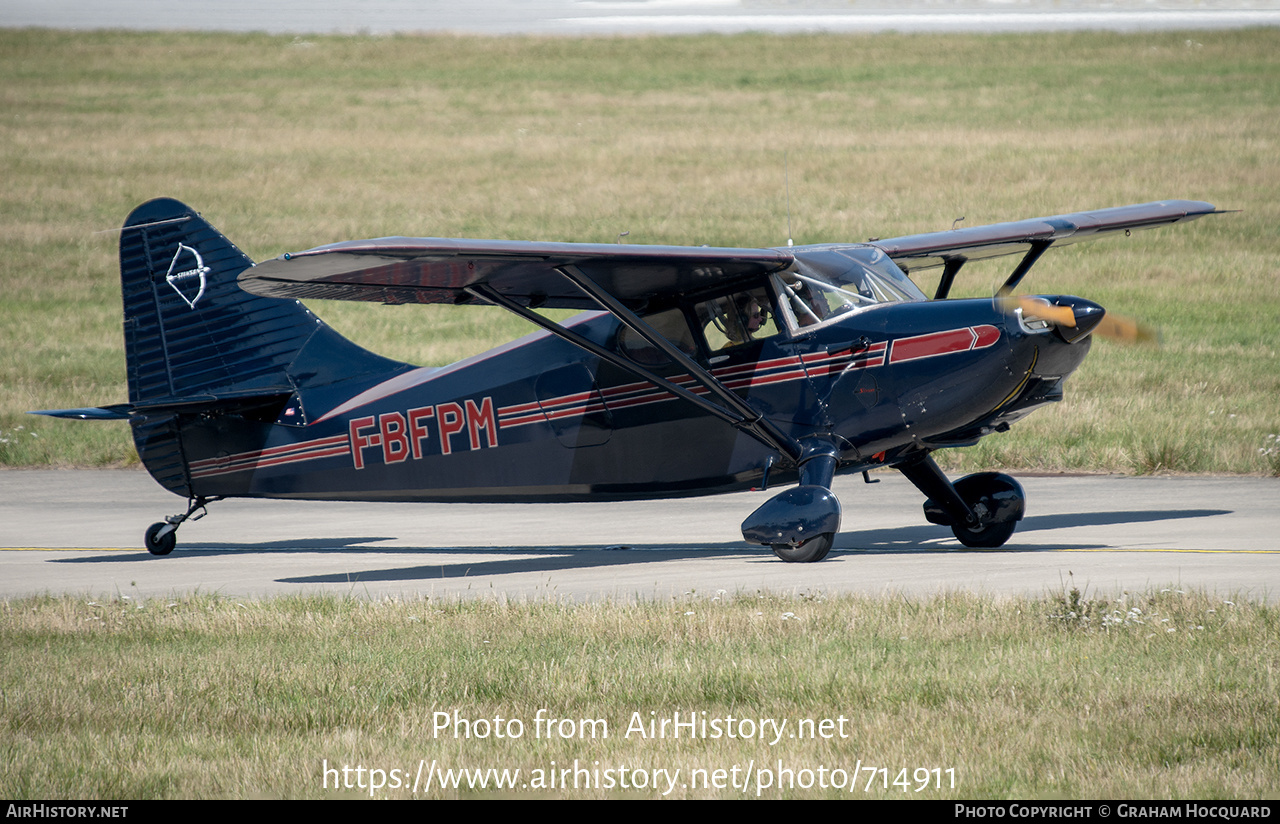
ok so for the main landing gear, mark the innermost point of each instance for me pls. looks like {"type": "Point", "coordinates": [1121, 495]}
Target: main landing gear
{"type": "Point", "coordinates": [162, 537]}
{"type": "Point", "coordinates": [811, 551]}
{"type": "Point", "coordinates": [800, 524]}
{"type": "Point", "coordinates": [982, 510]}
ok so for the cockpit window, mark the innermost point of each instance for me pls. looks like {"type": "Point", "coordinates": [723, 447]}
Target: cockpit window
{"type": "Point", "coordinates": [726, 321]}
{"type": "Point", "coordinates": [830, 283]}
{"type": "Point", "coordinates": [736, 319]}
{"type": "Point", "coordinates": [671, 324]}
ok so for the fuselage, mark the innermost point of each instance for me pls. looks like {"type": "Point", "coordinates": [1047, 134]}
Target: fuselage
{"type": "Point", "coordinates": [541, 419]}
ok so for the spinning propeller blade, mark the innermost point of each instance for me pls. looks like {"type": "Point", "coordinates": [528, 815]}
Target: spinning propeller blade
{"type": "Point", "coordinates": [1111, 326]}
{"type": "Point", "coordinates": [1039, 308]}
{"type": "Point", "coordinates": [1126, 330]}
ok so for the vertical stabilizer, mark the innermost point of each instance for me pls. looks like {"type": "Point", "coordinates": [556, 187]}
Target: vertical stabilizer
{"type": "Point", "coordinates": [196, 342]}
{"type": "Point", "coordinates": [189, 329]}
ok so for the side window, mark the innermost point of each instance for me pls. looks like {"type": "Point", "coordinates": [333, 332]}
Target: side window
{"type": "Point", "coordinates": [806, 305]}
{"type": "Point", "coordinates": [827, 284]}
{"type": "Point", "coordinates": [737, 318]}
{"type": "Point", "coordinates": [671, 324]}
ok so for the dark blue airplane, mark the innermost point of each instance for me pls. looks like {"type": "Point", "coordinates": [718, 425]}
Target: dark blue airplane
{"type": "Point", "coordinates": [696, 370]}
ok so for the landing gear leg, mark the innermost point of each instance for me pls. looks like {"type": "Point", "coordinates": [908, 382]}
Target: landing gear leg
{"type": "Point", "coordinates": [162, 537]}
{"type": "Point", "coordinates": [800, 524]}
{"type": "Point", "coordinates": [982, 510]}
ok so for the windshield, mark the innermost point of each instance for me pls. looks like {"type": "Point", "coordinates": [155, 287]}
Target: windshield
{"type": "Point", "coordinates": [832, 282]}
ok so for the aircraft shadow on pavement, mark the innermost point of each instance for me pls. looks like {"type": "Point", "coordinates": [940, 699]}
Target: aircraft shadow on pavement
{"type": "Point", "coordinates": [462, 562]}
{"type": "Point", "coordinates": [931, 538]}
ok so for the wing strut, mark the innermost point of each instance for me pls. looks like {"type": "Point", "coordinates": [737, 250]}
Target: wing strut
{"type": "Point", "coordinates": [949, 271]}
{"type": "Point", "coordinates": [740, 415]}
{"type": "Point", "coordinates": [749, 420]}
{"type": "Point", "coordinates": [1038, 248]}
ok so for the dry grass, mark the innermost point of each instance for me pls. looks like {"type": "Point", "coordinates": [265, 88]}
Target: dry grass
{"type": "Point", "coordinates": [287, 143]}
{"type": "Point", "coordinates": [1155, 695]}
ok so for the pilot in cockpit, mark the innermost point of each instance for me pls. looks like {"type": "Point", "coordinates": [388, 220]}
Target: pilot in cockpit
{"type": "Point", "coordinates": [743, 320]}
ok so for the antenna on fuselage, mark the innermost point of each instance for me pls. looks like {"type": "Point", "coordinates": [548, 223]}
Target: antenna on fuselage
{"type": "Point", "coordinates": [786, 174]}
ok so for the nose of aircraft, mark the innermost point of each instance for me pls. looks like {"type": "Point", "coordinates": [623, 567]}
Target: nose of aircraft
{"type": "Point", "coordinates": [1086, 313]}
{"type": "Point", "coordinates": [1053, 333]}
{"type": "Point", "coordinates": [1072, 318]}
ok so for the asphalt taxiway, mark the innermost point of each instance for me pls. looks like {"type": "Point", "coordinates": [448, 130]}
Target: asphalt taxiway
{"type": "Point", "coordinates": [576, 18]}
{"type": "Point", "coordinates": [79, 533]}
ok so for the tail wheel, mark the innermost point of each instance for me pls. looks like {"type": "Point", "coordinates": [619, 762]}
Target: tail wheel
{"type": "Point", "coordinates": [162, 537]}
{"type": "Point", "coordinates": [159, 541]}
{"type": "Point", "coordinates": [811, 551]}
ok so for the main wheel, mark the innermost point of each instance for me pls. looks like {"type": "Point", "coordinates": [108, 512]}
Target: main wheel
{"type": "Point", "coordinates": [158, 544]}
{"type": "Point", "coordinates": [999, 503]}
{"type": "Point", "coordinates": [988, 536]}
{"type": "Point", "coordinates": [811, 551]}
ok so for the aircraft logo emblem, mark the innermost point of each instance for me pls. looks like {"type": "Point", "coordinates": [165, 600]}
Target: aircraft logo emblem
{"type": "Point", "coordinates": [176, 278]}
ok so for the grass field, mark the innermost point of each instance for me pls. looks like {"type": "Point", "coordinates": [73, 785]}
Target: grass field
{"type": "Point", "coordinates": [1162, 695]}
{"type": "Point", "coordinates": [286, 143]}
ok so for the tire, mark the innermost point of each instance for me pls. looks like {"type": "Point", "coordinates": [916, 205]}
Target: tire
{"type": "Point", "coordinates": [990, 536]}
{"type": "Point", "coordinates": [999, 499]}
{"type": "Point", "coordinates": [160, 544]}
{"type": "Point", "coordinates": [810, 552]}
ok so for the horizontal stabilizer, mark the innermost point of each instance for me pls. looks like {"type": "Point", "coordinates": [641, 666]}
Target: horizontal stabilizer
{"type": "Point", "coordinates": [232, 402]}
{"type": "Point", "coordinates": [118, 412]}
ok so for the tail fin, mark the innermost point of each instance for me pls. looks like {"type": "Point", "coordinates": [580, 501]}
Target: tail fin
{"type": "Point", "coordinates": [197, 344]}
{"type": "Point", "coordinates": [190, 330]}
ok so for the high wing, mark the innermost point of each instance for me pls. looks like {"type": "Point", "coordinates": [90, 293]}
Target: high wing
{"type": "Point", "coordinates": [445, 270]}
{"type": "Point", "coordinates": [1030, 238]}
{"type": "Point", "coordinates": [925, 251]}
{"type": "Point", "coordinates": [442, 270]}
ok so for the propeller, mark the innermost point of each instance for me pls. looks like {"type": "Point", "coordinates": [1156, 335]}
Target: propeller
{"type": "Point", "coordinates": [1126, 330]}
{"type": "Point", "coordinates": [1076, 317]}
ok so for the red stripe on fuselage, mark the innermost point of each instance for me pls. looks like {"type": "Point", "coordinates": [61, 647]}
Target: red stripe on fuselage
{"type": "Point", "coordinates": [943, 343]}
